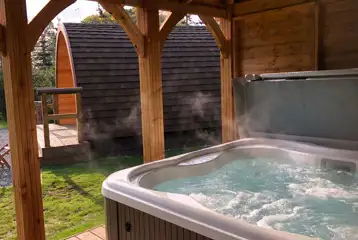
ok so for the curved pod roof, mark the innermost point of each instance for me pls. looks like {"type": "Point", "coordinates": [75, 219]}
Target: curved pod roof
{"type": "Point", "coordinates": [101, 59]}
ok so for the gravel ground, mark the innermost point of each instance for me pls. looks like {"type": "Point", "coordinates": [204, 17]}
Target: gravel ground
{"type": "Point", "coordinates": [5, 174]}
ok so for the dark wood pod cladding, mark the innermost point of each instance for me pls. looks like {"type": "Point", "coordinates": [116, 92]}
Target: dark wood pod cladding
{"type": "Point", "coordinates": [101, 59]}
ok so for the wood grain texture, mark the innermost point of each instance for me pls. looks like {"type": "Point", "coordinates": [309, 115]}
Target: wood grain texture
{"type": "Point", "coordinates": [133, 224]}
{"type": "Point", "coordinates": [133, 32]}
{"type": "Point", "coordinates": [218, 35]}
{"type": "Point", "coordinates": [339, 34]}
{"type": "Point", "coordinates": [276, 40]}
{"type": "Point", "coordinates": [256, 6]}
{"type": "Point", "coordinates": [64, 79]}
{"type": "Point", "coordinates": [79, 118]}
{"type": "Point", "coordinates": [2, 40]}
{"type": "Point", "coordinates": [21, 122]}
{"type": "Point", "coordinates": [229, 132]}
{"type": "Point", "coordinates": [167, 26]}
{"type": "Point", "coordinates": [45, 120]}
{"type": "Point", "coordinates": [151, 92]}
{"type": "Point", "coordinates": [112, 218]}
{"type": "Point", "coordinates": [215, 8]}
{"type": "Point", "coordinates": [43, 18]}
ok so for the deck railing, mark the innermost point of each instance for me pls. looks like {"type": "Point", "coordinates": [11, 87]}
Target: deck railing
{"type": "Point", "coordinates": [44, 93]}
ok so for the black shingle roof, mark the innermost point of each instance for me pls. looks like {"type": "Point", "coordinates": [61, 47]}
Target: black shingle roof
{"type": "Point", "coordinates": [106, 66]}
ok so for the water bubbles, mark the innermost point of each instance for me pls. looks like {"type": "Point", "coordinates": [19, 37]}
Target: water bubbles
{"type": "Point", "coordinates": [286, 197]}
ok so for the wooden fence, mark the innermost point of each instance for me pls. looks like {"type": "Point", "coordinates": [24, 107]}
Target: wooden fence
{"type": "Point", "coordinates": [44, 93]}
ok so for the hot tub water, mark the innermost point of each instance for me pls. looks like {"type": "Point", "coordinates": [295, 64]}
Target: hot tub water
{"type": "Point", "coordinates": [287, 197]}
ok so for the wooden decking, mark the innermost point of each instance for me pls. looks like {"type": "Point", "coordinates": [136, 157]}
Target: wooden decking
{"type": "Point", "coordinates": [65, 147]}
{"type": "Point", "coordinates": [60, 135]}
{"type": "Point", "coordinates": [98, 233]}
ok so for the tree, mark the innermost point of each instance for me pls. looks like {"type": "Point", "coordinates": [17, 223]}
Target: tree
{"type": "Point", "coordinates": [104, 17]}
{"type": "Point", "coordinates": [44, 77]}
{"type": "Point", "coordinates": [44, 51]}
{"type": "Point", "coordinates": [43, 59]}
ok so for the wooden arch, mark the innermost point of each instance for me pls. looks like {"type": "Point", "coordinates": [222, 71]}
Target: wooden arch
{"type": "Point", "coordinates": [65, 74]}
{"type": "Point", "coordinates": [43, 18]}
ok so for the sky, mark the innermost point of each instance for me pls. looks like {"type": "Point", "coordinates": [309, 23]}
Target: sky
{"type": "Point", "coordinates": [75, 13]}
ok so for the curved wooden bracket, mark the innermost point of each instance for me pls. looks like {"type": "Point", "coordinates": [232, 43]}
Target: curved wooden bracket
{"type": "Point", "coordinates": [2, 41]}
{"type": "Point", "coordinates": [219, 36]}
{"type": "Point", "coordinates": [122, 17]}
{"type": "Point", "coordinates": [43, 18]}
{"type": "Point", "coordinates": [168, 25]}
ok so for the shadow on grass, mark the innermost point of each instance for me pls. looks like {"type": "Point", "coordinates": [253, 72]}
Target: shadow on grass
{"type": "Point", "coordinates": [78, 177]}
{"type": "Point", "coordinates": [82, 192]}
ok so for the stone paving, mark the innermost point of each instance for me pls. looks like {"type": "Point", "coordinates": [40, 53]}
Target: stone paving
{"type": "Point", "coordinates": [5, 174]}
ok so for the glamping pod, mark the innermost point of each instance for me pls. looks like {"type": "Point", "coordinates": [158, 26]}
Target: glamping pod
{"type": "Point", "coordinates": [101, 59]}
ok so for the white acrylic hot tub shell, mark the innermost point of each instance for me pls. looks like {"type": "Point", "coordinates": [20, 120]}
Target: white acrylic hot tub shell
{"type": "Point", "coordinates": [132, 187]}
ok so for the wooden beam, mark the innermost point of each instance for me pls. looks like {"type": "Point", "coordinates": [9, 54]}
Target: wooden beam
{"type": "Point", "coordinates": [215, 30]}
{"type": "Point", "coordinates": [61, 116]}
{"type": "Point", "coordinates": [174, 6]}
{"type": "Point", "coordinates": [151, 93]}
{"type": "Point", "coordinates": [228, 116]}
{"type": "Point", "coordinates": [21, 122]}
{"type": "Point", "coordinates": [2, 41]}
{"type": "Point", "coordinates": [43, 18]}
{"type": "Point", "coordinates": [254, 6]}
{"type": "Point", "coordinates": [168, 25]}
{"type": "Point", "coordinates": [122, 17]}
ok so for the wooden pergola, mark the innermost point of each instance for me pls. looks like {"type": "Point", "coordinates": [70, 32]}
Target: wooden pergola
{"type": "Point", "coordinates": [18, 38]}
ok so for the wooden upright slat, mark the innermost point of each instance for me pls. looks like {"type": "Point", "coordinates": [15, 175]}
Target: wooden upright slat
{"type": "Point", "coordinates": [143, 226]}
{"type": "Point", "coordinates": [45, 120]}
{"type": "Point", "coordinates": [229, 131]}
{"type": "Point", "coordinates": [79, 118]}
{"type": "Point", "coordinates": [151, 86]}
{"type": "Point", "coordinates": [21, 121]}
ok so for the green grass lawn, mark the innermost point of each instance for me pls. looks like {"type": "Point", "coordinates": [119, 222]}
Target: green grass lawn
{"type": "Point", "coordinates": [72, 196]}
{"type": "Point", "coordinates": [3, 124]}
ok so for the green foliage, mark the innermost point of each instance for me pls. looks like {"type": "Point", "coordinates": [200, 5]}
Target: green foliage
{"type": "Point", "coordinates": [72, 196]}
{"type": "Point", "coordinates": [3, 123]}
{"type": "Point", "coordinates": [103, 18]}
{"type": "Point", "coordinates": [44, 77]}
{"type": "Point", "coordinates": [44, 52]}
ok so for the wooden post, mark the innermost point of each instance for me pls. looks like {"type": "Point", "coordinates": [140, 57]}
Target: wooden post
{"type": "Point", "coordinates": [229, 131]}
{"type": "Point", "coordinates": [45, 120]}
{"type": "Point", "coordinates": [150, 72]}
{"type": "Point", "coordinates": [79, 118]}
{"type": "Point", "coordinates": [21, 121]}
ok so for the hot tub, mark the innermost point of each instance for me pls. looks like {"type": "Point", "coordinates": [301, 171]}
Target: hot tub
{"type": "Point", "coordinates": [135, 210]}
